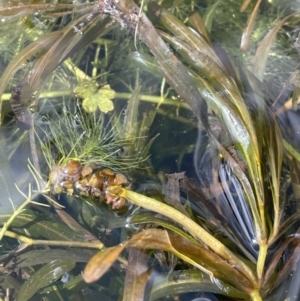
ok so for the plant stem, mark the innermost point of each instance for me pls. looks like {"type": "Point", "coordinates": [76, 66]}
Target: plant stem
{"type": "Point", "coordinates": [263, 250]}
{"type": "Point", "coordinates": [23, 239]}
{"type": "Point", "coordinates": [195, 229]}
{"type": "Point", "coordinates": [12, 217]}
{"type": "Point", "coordinates": [59, 243]}
{"type": "Point", "coordinates": [80, 244]}
{"type": "Point", "coordinates": [142, 97]}
{"type": "Point", "coordinates": [255, 296]}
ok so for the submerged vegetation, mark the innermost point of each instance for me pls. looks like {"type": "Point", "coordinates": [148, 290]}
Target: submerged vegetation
{"type": "Point", "coordinates": [150, 150]}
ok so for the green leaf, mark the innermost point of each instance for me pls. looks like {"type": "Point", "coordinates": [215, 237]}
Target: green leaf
{"type": "Point", "coordinates": [38, 225]}
{"type": "Point", "coordinates": [208, 18]}
{"type": "Point", "coordinates": [222, 95]}
{"type": "Point", "coordinates": [191, 252]}
{"type": "Point", "coordinates": [145, 62]}
{"type": "Point", "coordinates": [174, 71]}
{"type": "Point", "coordinates": [45, 276]}
{"type": "Point", "coordinates": [150, 218]}
{"type": "Point", "coordinates": [186, 281]}
{"type": "Point", "coordinates": [196, 21]}
{"type": "Point", "coordinates": [23, 56]}
{"type": "Point", "coordinates": [243, 143]}
{"type": "Point", "coordinates": [45, 64]}
{"type": "Point", "coordinates": [10, 282]}
{"type": "Point", "coordinates": [137, 276]}
{"type": "Point", "coordinates": [259, 61]}
{"type": "Point", "coordinates": [195, 229]}
{"type": "Point", "coordinates": [21, 9]}
{"type": "Point", "coordinates": [182, 32]}
{"type": "Point", "coordinates": [39, 257]}
{"type": "Point", "coordinates": [131, 124]}
{"type": "Point", "coordinates": [245, 41]}
{"type": "Point", "coordinates": [101, 262]}
{"type": "Point", "coordinates": [101, 99]}
{"type": "Point", "coordinates": [294, 153]}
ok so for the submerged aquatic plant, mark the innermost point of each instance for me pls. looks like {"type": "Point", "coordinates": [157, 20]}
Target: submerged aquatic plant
{"type": "Point", "coordinates": [237, 233]}
{"type": "Point", "coordinates": [253, 193]}
{"type": "Point", "coordinates": [87, 137]}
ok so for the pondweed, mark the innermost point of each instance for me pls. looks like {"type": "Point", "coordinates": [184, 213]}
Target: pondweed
{"type": "Point", "coordinates": [233, 219]}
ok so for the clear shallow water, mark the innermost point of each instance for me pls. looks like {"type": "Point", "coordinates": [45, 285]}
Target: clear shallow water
{"type": "Point", "coordinates": [180, 147]}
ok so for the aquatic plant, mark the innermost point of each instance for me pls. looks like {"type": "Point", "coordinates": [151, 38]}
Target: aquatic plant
{"type": "Point", "coordinates": [235, 233]}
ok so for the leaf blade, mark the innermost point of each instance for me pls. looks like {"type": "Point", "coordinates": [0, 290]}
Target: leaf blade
{"type": "Point", "coordinates": [44, 277]}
